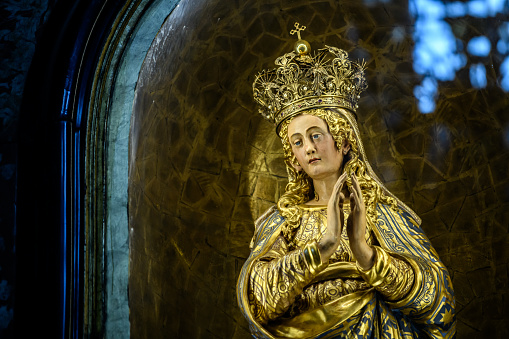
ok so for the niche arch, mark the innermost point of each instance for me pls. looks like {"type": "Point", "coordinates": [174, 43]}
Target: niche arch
{"type": "Point", "coordinates": [202, 164]}
{"type": "Point", "coordinates": [201, 167]}
{"type": "Point", "coordinates": [106, 253]}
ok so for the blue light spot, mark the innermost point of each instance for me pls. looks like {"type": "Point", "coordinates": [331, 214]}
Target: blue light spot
{"type": "Point", "coordinates": [503, 43]}
{"type": "Point", "coordinates": [456, 9]}
{"type": "Point", "coordinates": [503, 31]}
{"type": "Point", "coordinates": [479, 46]}
{"type": "Point", "coordinates": [426, 93]}
{"type": "Point", "coordinates": [477, 8]}
{"type": "Point", "coordinates": [436, 50]}
{"type": "Point", "coordinates": [429, 9]}
{"type": "Point", "coordinates": [502, 47]}
{"type": "Point", "coordinates": [504, 70]}
{"type": "Point", "coordinates": [478, 76]}
{"type": "Point", "coordinates": [398, 34]}
{"type": "Point", "coordinates": [495, 6]}
{"type": "Point", "coordinates": [426, 104]}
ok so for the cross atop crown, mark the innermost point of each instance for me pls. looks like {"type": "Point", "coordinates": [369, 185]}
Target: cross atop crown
{"type": "Point", "coordinates": [297, 30]}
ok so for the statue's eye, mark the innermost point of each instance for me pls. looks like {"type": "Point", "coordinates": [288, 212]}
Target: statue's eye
{"type": "Point", "coordinates": [297, 143]}
{"type": "Point", "coordinates": [316, 136]}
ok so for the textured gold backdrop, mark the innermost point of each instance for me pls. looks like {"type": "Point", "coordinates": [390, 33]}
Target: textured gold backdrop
{"type": "Point", "coordinates": [203, 164]}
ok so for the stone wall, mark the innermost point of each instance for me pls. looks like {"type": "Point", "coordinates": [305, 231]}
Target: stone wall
{"type": "Point", "coordinates": [20, 22]}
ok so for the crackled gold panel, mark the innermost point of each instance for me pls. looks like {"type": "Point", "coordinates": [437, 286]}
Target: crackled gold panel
{"type": "Point", "coordinates": [203, 164]}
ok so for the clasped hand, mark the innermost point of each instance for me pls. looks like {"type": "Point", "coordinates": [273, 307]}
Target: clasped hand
{"type": "Point", "coordinates": [356, 224]}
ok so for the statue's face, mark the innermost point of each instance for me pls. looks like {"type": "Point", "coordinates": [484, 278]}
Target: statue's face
{"type": "Point", "coordinates": [314, 147]}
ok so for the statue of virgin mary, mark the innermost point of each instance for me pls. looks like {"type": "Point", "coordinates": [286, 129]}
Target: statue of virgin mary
{"type": "Point", "coordinates": [339, 256]}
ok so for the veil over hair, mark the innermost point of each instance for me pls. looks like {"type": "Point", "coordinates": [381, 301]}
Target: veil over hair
{"type": "Point", "coordinates": [343, 126]}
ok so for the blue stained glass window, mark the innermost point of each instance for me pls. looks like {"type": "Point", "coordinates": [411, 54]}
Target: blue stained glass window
{"type": "Point", "coordinates": [439, 54]}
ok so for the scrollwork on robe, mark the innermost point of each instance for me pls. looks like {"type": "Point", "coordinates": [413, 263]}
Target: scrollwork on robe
{"type": "Point", "coordinates": [291, 294]}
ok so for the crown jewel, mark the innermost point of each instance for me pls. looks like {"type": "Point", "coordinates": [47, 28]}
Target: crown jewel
{"type": "Point", "coordinates": [302, 82]}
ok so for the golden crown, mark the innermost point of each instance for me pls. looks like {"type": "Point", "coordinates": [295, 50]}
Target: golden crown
{"type": "Point", "coordinates": [303, 82]}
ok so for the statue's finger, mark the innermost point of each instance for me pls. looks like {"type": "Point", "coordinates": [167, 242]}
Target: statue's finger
{"type": "Point", "coordinates": [354, 196]}
{"type": "Point", "coordinates": [357, 187]}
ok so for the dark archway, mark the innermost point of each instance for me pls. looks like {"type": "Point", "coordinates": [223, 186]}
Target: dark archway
{"type": "Point", "coordinates": [60, 259]}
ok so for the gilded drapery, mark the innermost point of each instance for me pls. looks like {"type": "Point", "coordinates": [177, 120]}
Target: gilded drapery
{"type": "Point", "coordinates": [285, 292]}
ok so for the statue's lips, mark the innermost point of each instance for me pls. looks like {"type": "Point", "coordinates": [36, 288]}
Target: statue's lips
{"type": "Point", "coordinates": [314, 160]}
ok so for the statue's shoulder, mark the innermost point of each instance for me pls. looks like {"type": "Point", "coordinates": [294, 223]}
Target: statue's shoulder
{"type": "Point", "coordinates": [271, 212]}
{"type": "Point", "coordinates": [268, 222]}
